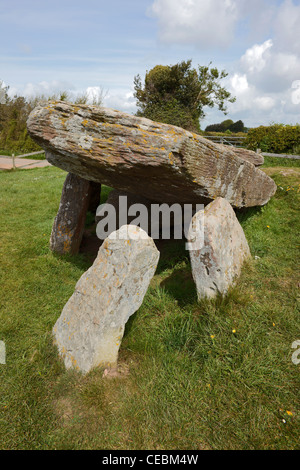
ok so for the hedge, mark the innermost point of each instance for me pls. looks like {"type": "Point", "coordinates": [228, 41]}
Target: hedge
{"type": "Point", "coordinates": [277, 138]}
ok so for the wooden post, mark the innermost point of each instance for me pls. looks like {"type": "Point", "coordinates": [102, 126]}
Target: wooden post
{"type": "Point", "coordinates": [13, 160]}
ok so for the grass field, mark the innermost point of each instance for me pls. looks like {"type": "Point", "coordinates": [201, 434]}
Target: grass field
{"type": "Point", "coordinates": [192, 375]}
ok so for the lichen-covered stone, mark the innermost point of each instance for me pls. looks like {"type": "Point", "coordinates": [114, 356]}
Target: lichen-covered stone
{"type": "Point", "coordinates": [217, 263]}
{"type": "Point", "coordinates": [158, 161]}
{"type": "Point", "coordinates": [248, 155]}
{"type": "Point", "coordinates": [90, 329]}
{"type": "Point", "coordinates": [69, 223]}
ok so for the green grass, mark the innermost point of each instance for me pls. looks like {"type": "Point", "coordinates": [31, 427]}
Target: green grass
{"type": "Point", "coordinates": [278, 161]}
{"type": "Point", "coordinates": [193, 375]}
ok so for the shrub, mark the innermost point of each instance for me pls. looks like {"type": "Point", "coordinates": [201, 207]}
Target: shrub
{"type": "Point", "coordinates": [277, 138]}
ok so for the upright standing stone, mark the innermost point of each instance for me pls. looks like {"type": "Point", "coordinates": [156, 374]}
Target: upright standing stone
{"type": "Point", "coordinates": [70, 220]}
{"type": "Point", "coordinates": [90, 329]}
{"type": "Point", "coordinates": [217, 263]}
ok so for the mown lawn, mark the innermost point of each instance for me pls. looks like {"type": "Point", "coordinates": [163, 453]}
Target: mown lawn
{"type": "Point", "coordinates": [193, 375]}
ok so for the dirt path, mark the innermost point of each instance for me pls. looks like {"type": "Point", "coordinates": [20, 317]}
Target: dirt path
{"type": "Point", "coordinates": [6, 163]}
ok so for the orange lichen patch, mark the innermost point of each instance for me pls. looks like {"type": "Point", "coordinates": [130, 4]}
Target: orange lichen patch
{"type": "Point", "coordinates": [171, 156]}
{"type": "Point", "coordinates": [63, 121]}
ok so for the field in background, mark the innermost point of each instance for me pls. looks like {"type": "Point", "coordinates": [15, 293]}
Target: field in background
{"type": "Point", "coordinates": [193, 375]}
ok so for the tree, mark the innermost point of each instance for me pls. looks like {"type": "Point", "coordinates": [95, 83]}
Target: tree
{"type": "Point", "coordinates": [227, 125]}
{"type": "Point", "coordinates": [214, 128]}
{"type": "Point", "coordinates": [177, 94]}
{"type": "Point", "coordinates": [238, 126]}
{"type": "Point", "coordinates": [4, 99]}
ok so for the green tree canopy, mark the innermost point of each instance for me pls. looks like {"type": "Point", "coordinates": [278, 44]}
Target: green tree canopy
{"type": "Point", "coordinates": [177, 94]}
{"type": "Point", "coordinates": [227, 125]}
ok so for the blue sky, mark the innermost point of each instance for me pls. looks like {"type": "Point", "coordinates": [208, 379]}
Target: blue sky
{"type": "Point", "coordinates": [100, 44]}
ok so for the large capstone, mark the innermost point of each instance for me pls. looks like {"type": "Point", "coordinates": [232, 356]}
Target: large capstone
{"type": "Point", "coordinates": [158, 161]}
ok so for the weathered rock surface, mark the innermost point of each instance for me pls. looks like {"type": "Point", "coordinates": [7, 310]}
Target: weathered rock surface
{"type": "Point", "coordinates": [158, 161]}
{"type": "Point", "coordinates": [218, 262]}
{"type": "Point", "coordinates": [248, 155]}
{"type": "Point", "coordinates": [69, 222]}
{"type": "Point", "coordinates": [90, 329]}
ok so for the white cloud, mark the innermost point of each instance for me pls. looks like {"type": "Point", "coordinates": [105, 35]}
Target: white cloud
{"type": "Point", "coordinates": [255, 58]}
{"type": "Point", "coordinates": [296, 93]}
{"type": "Point", "coordinates": [264, 103]}
{"type": "Point", "coordinates": [270, 69]}
{"type": "Point", "coordinates": [122, 100]}
{"type": "Point", "coordinates": [45, 88]}
{"type": "Point", "coordinates": [200, 22]}
{"type": "Point", "coordinates": [239, 84]}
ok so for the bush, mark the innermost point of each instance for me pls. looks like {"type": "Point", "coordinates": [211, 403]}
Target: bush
{"type": "Point", "coordinates": [277, 138]}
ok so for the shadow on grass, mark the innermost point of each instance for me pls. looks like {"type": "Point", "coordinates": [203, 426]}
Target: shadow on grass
{"type": "Point", "coordinates": [172, 252]}
{"type": "Point", "coordinates": [82, 261]}
{"type": "Point", "coordinates": [180, 285]}
{"type": "Point", "coordinates": [246, 213]}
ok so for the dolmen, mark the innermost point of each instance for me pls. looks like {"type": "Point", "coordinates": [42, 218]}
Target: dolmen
{"type": "Point", "coordinates": [149, 163]}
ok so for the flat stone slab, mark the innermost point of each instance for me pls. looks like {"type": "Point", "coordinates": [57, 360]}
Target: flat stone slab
{"type": "Point", "coordinates": [217, 262]}
{"type": "Point", "coordinates": [90, 329]}
{"type": "Point", "coordinates": [158, 161]}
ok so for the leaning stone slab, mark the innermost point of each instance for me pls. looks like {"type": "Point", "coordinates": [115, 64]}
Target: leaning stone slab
{"type": "Point", "coordinates": [70, 220]}
{"type": "Point", "coordinates": [217, 262]}
{"type": "Point", "coordinates": [90, 329]}
{"type": "Point", "coordinates": [157, 161]}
